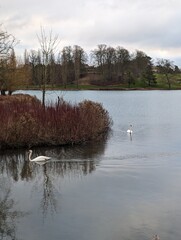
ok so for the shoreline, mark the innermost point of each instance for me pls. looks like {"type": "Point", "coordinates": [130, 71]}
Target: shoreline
{"type": "Point", "coordinates": [85, 88]}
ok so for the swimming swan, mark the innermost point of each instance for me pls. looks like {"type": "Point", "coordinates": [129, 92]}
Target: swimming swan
{"type": "Point", "coordinates": [130, 131]}
{"type": "Point", "coordinates": [39, 158]}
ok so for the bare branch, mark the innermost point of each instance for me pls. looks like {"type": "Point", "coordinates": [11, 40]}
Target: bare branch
{"type": "Point", "coordinates": [48, 43]}
{"type": "Point", "coordinates": [7, 43]}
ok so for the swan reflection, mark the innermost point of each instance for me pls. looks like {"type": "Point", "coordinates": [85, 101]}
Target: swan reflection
{"type": "Point", "coordinates": [44, 178]}
{"type": "Point", "coordinates": [48, 183]}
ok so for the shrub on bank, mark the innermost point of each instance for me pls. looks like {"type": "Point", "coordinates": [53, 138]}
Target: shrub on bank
{"type": "Point", "coordinates": [25, 122]}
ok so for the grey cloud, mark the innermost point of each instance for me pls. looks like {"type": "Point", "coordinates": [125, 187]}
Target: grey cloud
{"type": "Point", "coordinates": [136, 23]}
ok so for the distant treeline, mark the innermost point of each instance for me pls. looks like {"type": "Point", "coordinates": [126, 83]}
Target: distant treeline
{"type": "Point", "coordinates": [108, 66]}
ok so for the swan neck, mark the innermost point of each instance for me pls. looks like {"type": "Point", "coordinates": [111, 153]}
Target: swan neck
{"type": "Point", "coordinates": [30, 153]}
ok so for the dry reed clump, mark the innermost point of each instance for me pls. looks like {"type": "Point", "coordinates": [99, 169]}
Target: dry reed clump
{"type": "Point", "coordinates": [95, 119]}
{"type": "Point", "coordinates": [18, 98]}
{"type": "Point", "coordinates": [25, 122]}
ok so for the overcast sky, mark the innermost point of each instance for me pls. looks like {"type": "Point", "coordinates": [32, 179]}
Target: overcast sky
{"type": "Point", "coordinates": [153, 27]}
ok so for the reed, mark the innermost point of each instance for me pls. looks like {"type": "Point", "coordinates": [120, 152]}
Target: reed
{"type": "Point", "coordinates": [24, 122]}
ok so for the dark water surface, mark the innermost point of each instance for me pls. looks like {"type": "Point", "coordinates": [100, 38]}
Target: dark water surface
{"type": "Point", "coordinates": [125, 188]}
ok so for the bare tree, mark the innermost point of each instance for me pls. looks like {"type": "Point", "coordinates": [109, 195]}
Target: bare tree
{"type": "Point", "coordinates": [110, 58]}
{"type": "Point", "coordinates": [48, 46]}
{"type": "Point", "coordinates": [166, 67]}
{"type": "Point", "coordinates": [7, 43]}
{"type": "Point", "coordinates": [79, 58]}
{"type": "Point", "coordinates": [99, 56]}
{"type": "Point", "coordinates": [123, 59]}
{"type": "Point", "coordinates": [67, 61]}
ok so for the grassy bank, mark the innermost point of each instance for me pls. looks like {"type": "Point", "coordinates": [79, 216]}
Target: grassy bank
{"type": "Point", "coordinates": [88, 84]}
{"type": "Point", "coordinates": [26, 123]}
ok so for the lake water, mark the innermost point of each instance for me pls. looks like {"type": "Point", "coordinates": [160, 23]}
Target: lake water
{"type": "Point", "coordinates": [125, 188]}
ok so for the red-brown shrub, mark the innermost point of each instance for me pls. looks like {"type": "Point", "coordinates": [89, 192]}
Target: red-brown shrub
{"type": "Point", "coordinates": [25, 122]}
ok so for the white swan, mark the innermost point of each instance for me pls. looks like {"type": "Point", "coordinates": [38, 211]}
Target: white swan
{"type": "Point", "coordinates": [39, 158]}
{"type": "Point", "coordinates": [130, 131]}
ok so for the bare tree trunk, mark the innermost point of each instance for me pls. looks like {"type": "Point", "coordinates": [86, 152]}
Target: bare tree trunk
{"type": "Point", "coordinates": [168, 81]}
{"type": "Point", "coordinates": [43, 96]}
{"type": "Point", "coordinates": [48, 45]}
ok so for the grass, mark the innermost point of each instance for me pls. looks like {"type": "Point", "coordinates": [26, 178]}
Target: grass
{"type": "Point", "coordinates": [97, 85]}
{"type": "Point", "coordinates": [26, 123]}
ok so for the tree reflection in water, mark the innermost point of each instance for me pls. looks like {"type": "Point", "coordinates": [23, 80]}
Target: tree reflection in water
{"type": "Point", "coordinates": [49, 173]}
{"type": "Point", "coordinates": [48, 199]}
{"type": "Point", "coordinates": [8, 216]}
{"type": "Point", "coordinates": [70, 162]}
{"type": "Point", "coordinates": [62, 165]}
